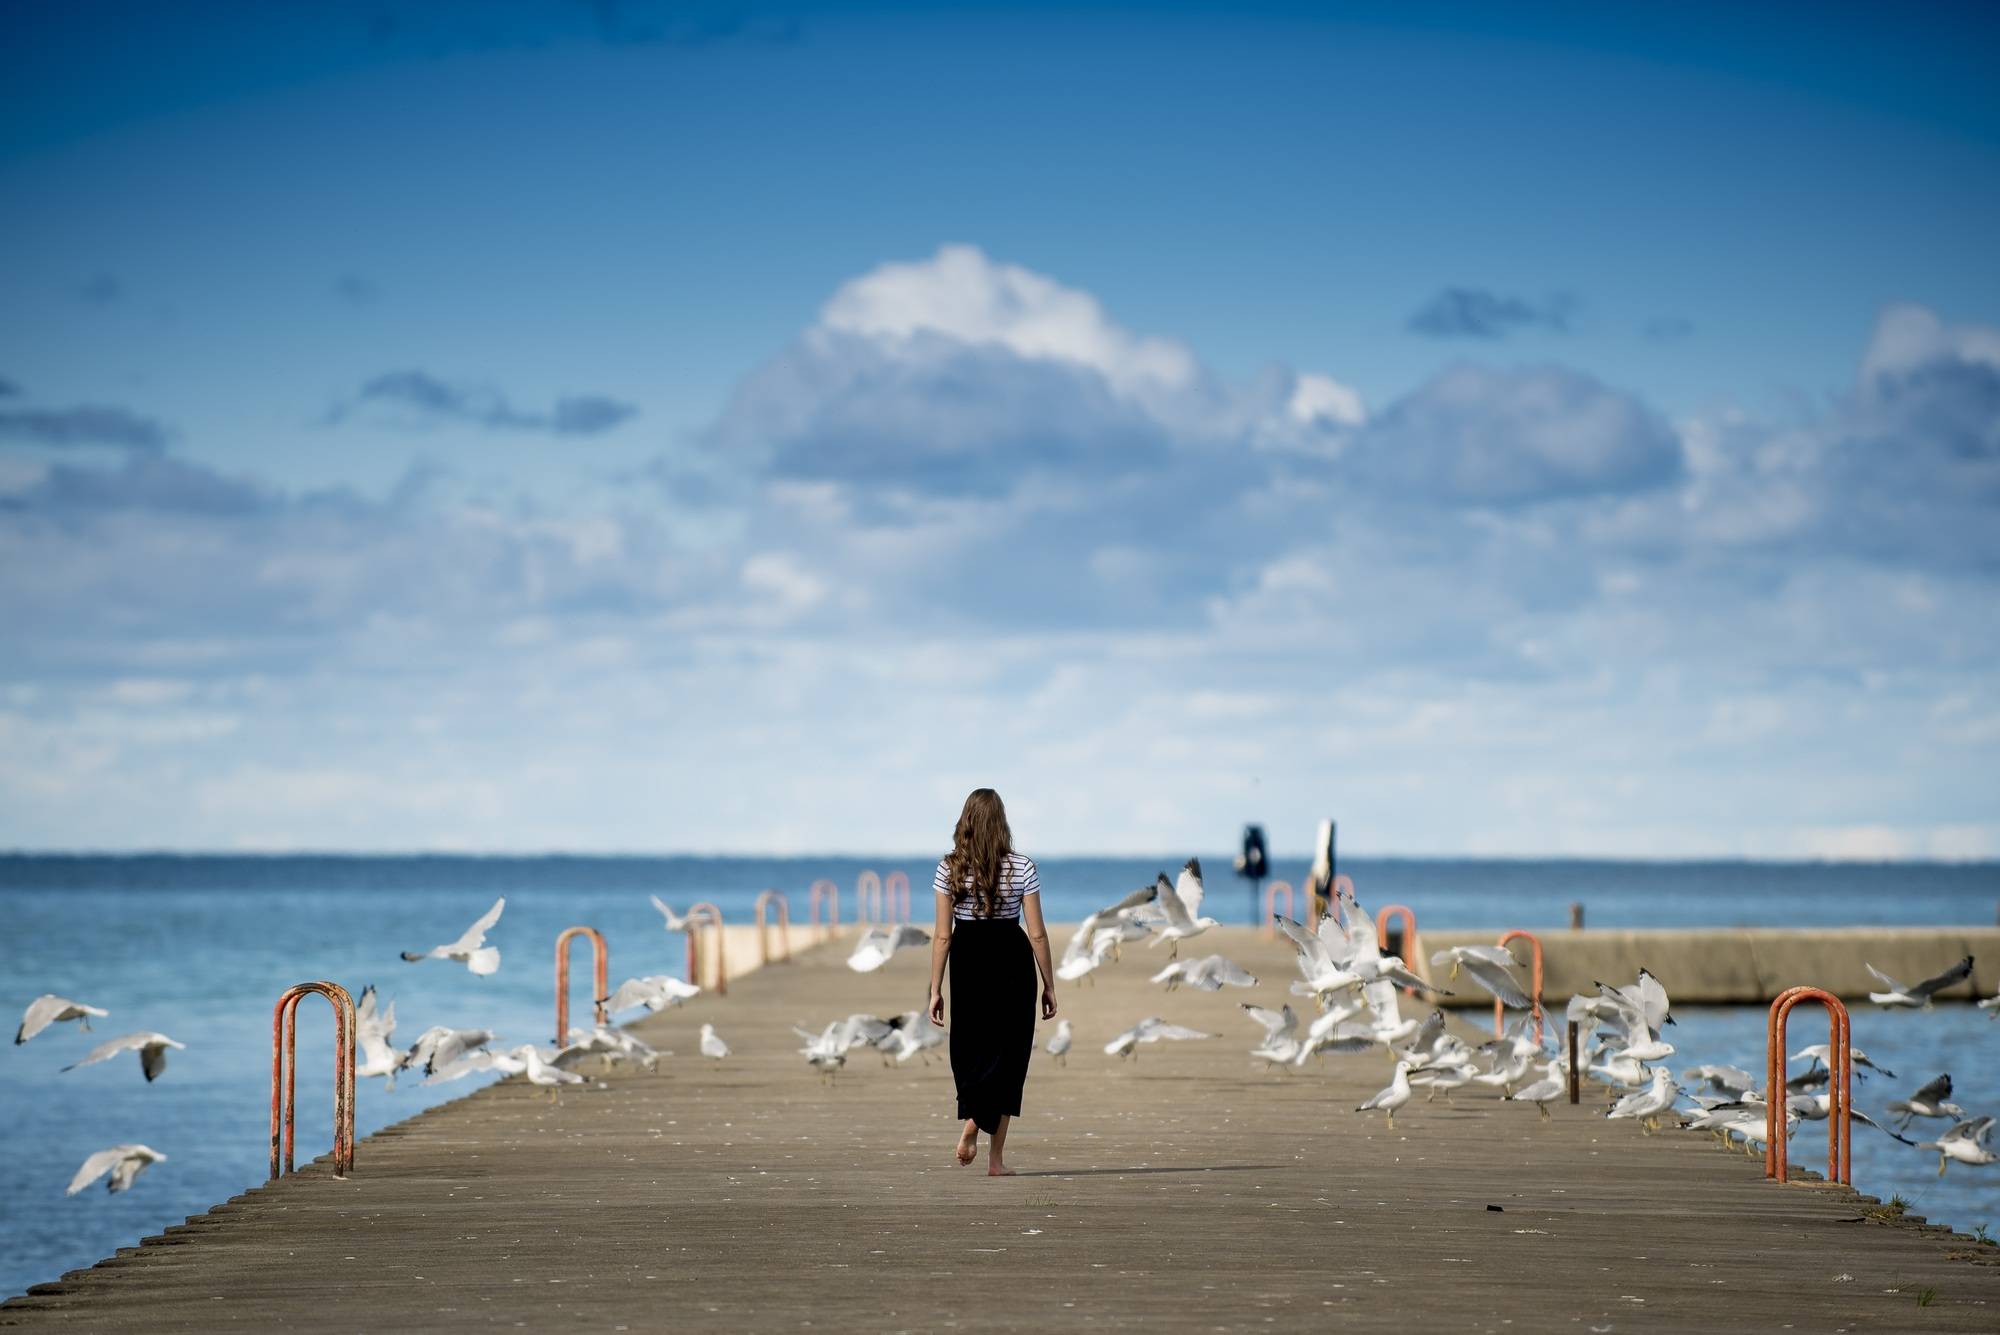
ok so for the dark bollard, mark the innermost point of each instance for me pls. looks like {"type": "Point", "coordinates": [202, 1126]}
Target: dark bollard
{"type": "Point", "coordinates": [1576, 916]}
{"type": "Point", "coordinates": [1574, 1093]}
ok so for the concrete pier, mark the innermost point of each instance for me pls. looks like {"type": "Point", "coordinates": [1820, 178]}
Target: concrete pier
{"type": "Point", "coordinates": [1188, 1189]}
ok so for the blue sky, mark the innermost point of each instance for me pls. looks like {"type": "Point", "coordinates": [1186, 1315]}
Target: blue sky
{"type": "Point", "coordinates": [661, 427]}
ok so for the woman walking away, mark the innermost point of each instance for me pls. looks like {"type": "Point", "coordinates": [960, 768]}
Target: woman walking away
{"type": "Point", "coordinates": [986, 892]}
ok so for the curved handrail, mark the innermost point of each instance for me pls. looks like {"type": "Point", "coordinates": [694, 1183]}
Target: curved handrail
{"type": "Point", "coordinates": [1411, 953]}
{"type": "Point", "coordinates": [1840, 1086]}
{"type": "Point", "coordinates": [706, 914]}
{"type": "Point", "coordinates": [284, 1073]}
{"type": "Point", "coordinates": [600, 958]}
{"type": "Point", "coordinates": [1534, 992]}
{"type": "Point", "coordinates": [868, 898]}
{"type": "Point", "coordinates": [828, 891]}
{"type": "Point", "coordinates": [1271, 905]}
{"type": "Point", "coordinates": [764, 901]}
{"type": "Point", "coordinates": [896, 895]}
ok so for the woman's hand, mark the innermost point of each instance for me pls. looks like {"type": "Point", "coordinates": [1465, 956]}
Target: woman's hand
{"type": "Point", "coordinates": [1048, 1003]}
{"type": "Point", "coordinates": [936, 1008]}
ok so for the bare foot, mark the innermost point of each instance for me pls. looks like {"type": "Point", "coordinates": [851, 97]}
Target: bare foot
{"type": "Point", "coordinates": [968, 1146]}
{"type": "Point", "coordinates": [998, 1169]}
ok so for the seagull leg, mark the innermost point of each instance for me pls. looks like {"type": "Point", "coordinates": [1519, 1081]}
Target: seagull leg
{"type": "Point", "coordinates": [1392, 1117]}
{"type": "Point", "coordinates": [1543, 1109]}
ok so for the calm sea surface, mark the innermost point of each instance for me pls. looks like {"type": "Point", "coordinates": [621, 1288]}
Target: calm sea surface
{"type": "Point", "coordinates": [199, 947]}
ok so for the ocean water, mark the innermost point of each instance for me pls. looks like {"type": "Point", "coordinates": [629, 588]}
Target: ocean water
{"type": "Point", "coordinates": [200, 947]}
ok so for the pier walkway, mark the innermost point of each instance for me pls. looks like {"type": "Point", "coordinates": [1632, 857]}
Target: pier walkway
{"type": "Point", "coordinates": [1183, 1190]}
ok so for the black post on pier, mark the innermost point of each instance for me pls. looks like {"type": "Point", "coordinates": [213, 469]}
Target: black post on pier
{"type": "Point", "coordinates": [1253, 865]}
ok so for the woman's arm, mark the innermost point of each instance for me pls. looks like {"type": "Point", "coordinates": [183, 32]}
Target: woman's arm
{"type": "Point", "coordinates": [1038, 937]}
{"type": "Point", "coordinates": [940, 949]}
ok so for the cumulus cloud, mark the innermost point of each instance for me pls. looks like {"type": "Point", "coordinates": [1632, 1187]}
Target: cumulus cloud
{"type": "Point", "coordinates": [419, 397]}
{"type": "Point", "coordinates": [1473, 312]}
{"type": "Point", "coordinates": [1477, 435]}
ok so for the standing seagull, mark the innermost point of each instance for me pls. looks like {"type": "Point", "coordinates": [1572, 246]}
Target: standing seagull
{"type": "Point", "coordinates": [123, 1162]}
{"type": "Point", "coordinates": [1059, 1042]}
{"type": "Point", "coordinates": [48, 1009]}
{"type": "Point", "coordinates": [1392, 1098]}
{"type": "Point", "coordinates": [1921, 993]}
{"type": "Point", "coordinates": [152, 1049]}
{"type": "Point", "coordinates": [470, 949]}
{"type": "Point", "coordinates": [712, 1045]}
{"type": "Point", "coordinates": [1181, 902]}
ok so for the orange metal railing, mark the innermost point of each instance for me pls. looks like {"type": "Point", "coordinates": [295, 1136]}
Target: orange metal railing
{"type": "Point", "coordinates": [764, 901]}
{"type": "Point", "coordinates": [1271, 905]}
{"type": "Point", "coordinates": [1840, 1087]}
{"type": "Point", "coordinates": [896, 896]}
{"type": "Point", "coordinates": [1534, 990]}
{"type": "Point", "coordinates": [868, 898]}
{"type": "Point", "coordinates": [1410, 952]}
{"type": "Point", "coordinates": [600, 958]}
{"type": "Point", "coordinates": [828, 892]}
{"type": "Point", "coordinates": [284, 1073]}
{"type": "Point", "coordinates": [706, 915]}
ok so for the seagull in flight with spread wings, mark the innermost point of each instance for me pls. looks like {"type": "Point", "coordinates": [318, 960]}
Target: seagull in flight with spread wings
{"type": "Point", "coordinates": [124, 1163]}
{"type": "Point", "coordinates": [470, 949]}
{"type": "Point", "coordinates": [1918, 994]}
{"type": "Point", "coordinates": [48, 1009]}
{"type": "Point", "coordinates": [152, 1050]}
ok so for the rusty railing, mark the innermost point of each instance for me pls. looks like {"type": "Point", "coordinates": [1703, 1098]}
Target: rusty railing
{"type": "Point", "coordinates": [1534, 990]}
{"type": "Point", "coordinates": [600, 959]}
{"type": "Point", "coordinates": [828, 892]}
{"type": "Point", "coordinates": [764, 901]}
{"type": "Point", "coordinates": [284, 1073]}
{"type": "Point", "coordinates": [1840, 1087]}
{"type": "Point", "coordinates": [896, 896]}
{"type": "Point", "coordinates": [868, 898]}
{"type": "Point", "coordinates": [1271, 905]}
{"type": "Point", "coordinates": [703, 915]}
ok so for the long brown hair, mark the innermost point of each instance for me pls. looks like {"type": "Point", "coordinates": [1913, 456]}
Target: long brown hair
{"type": "Point", "coordinates": [979, 845]}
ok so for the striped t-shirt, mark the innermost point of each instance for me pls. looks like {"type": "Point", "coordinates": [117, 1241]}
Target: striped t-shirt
{"type": "Point", "coordinates": [1017, 881]}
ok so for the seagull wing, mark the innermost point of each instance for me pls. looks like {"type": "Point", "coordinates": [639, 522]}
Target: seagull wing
{"type": "Point", "coordinates": [1228, 971]}
{"type": "Point", "coordinates": [96, 1166]}
{"type": "Point", "coordinates": [1277, 1024]}
{"type": "Point", "coordinates": [1145, 894]}
{"type": "Point", "coordinates": [1957, 973]}
{"type": "Point", "coordinates": [1170, 902]}
{"type": "Point", "coordinates": [674, 921]}
{"type": "Point", "coordinates": [41, 1013]}
{"type": "Point", "coordinates": [1160, 1031]}
{"type": "Point", "coordinates": [1188, 887]}
{"type": "Point", "coordinates": [1497, 979]}
{"type": "Point", "coordinates": [153, 1059]}
{"type": "Point", "coordinates": [1652, 1001]}
{"type": "Point", "coordinates": [1937, 1091]}
{"type": "Point", "coordinates": [475, 935]}
{"type": "Point", "coordinates": [1314, 957]}
{"type": "Point", "coordinates": [909, 934]}
{"type": "Point", "coordinates": [1884, 978]}
{"type": "Point", "coordinates": [110, 1048]}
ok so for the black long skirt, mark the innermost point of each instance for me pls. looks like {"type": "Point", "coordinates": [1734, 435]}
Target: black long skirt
{"type": "Point", "coordinates": [992, 1017]}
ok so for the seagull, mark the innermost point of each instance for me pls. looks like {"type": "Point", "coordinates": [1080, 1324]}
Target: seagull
{"type": "Point", "coordinates": [152, 1049]}
{"type": "Point", "coordinates": [1649, 1103]}
{"type": "Point", "coordinates": [540, 1071]}
{"type": "Point", "coordinates": [371, 1036]}
{"type": "Point", "coordinates": [1280, 1042]}
{"type": "Point", "coordinates": [123, 1162]}
{"type": "Point", "coordinates": [1991, 1006]}
{"type": "Point", "coordinates": [1932, 1100]}
{"type": "Point", "coordinates": [1210, 973]}
{"type": "Point", "coordinates": [877, 944]}
{"type": "Point", "coordinates": [611, 1044]}
{"type": "Point", "coordinates": [1332, 960]}
{"type": "Point", "coordinates": [1640, 1010]}
{"type": "Point", "coordinates": [439, 1046]}
{"type": "Point", "coordinates": [655, 993]}
{"type": "Point", "coordinates": [1181, 902]}
{"type": "Point", "coordinates": [1152, 1029]}
{"type": "Point", "coordinates": [712, 1045]}
{"type": "Point", "coordinates": [1817, 1054]}
{"type": "Point", "coordinates": [1059, 1042]}
{"type": "Point", "coordinates": [1096, 938]}
{"type": "Point", "coordinates": [1818, 1107]}
{"type": "Point", "coordinates": [676, 922]}
{"type": "Point", "coordinates": [1921, 993]}
{"type": "Point", "coordinates": [910, 1034]}
{"type": "Point", "coordinates": [1731, 1080]}
{"type": "Point", "coordinates": [1552, 1086]}
{"type": "Point", "coordinates": [471, 1061]}
{"type": "Point", "coordinates": [1969, 1142]}
{"type": "Point", "coordinates": [826, 1051]}
{"type": "Point", "coordinates": [1489, 966]}
{"type": "Point", "coordinates": [1392, 1098]}
{"type": "Point", "coordinates": [470, 949]}
{"type": "Point", "coordinates": [48, 1009]}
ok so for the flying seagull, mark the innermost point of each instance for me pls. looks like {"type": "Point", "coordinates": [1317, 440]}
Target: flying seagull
{"type": "Point", "coordinates": [1921, 993]}
{"type": "Point", "coordinates": [372, 1030]}
{"type": "Point", "coordinates": [655, 993]}
{"type": "Point", "coordinates": [48, 1009]}
{"type": "Point", "coordinates": [1152, 1029]}
{"type": "Point", "coordinates": [123, 1162]}
{"type": "Point", "coordinates": [1210, 973]}
{"type": "Point", "coordinates": [675, 922]}
{"type": "Point", "coordinates": [152, 1050]}
{"type": "Point", "coordinates": [877, 944]}
{"type": "Point", "coordinates": [1968, 1142]}
{"type": "Point", "coordinates": [1489, 966]}
{"type": "Point", "coordinates": [470, 949]}
{"type": "Point", "coordinates": [1181, 902]}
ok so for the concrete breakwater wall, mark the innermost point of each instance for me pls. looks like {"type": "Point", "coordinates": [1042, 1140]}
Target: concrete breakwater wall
{"type": "Point", "coordinates": [1742, 965]}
